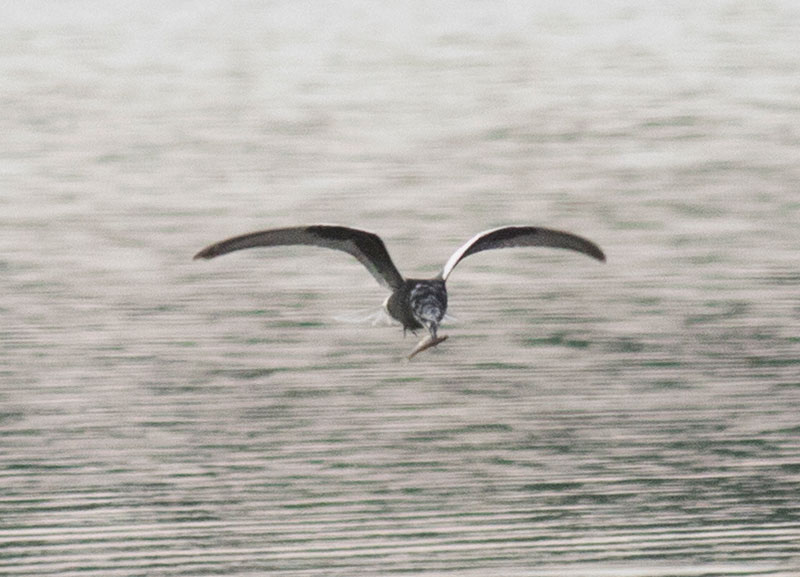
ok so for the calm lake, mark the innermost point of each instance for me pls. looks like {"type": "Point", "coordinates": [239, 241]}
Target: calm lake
{"type": "Point", "coordinates": [161, 416]}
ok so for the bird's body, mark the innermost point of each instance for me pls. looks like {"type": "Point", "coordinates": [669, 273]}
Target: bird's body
{"type": "Point", "coordinates": [418, 303]}
{"type": "Point", "coordinates": [415, 303]}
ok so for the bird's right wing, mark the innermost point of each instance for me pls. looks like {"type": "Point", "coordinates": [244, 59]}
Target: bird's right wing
{"type": "Point", "coordinates": [367, 247]}
{"type": "Point", "coordinates": [512, 236]}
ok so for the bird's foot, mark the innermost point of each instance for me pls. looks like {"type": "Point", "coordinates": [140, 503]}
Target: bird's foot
{"type": "Point", "coordinates": [426, 343]}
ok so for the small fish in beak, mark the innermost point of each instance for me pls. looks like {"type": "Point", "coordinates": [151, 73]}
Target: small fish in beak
{"type": "Point", "coordinates": [425, 344]}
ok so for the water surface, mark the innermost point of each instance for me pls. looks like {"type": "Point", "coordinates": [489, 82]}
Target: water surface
{"type": "Point", "coordinates": [160, 416]}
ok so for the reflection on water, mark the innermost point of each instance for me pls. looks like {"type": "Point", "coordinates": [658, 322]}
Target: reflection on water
{"type": "Point", "coordinates": [167, 417]}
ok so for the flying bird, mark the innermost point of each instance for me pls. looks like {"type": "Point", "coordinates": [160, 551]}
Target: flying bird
{"type": "Point", "coordinates": [415, 303]}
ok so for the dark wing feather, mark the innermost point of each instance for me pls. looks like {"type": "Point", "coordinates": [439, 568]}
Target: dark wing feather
{"type": "Point", "coordinates": [367, 247]}
{"type": "Point", "coordinates": [512, 236]}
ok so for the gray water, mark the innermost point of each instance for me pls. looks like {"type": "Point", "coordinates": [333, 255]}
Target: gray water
{"type": "Point", "coordinates": [160, 416]}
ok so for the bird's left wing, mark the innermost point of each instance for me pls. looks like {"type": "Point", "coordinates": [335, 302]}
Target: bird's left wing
{"type": "Point", "coordinates": [512, 236]}
{"type": "Point", "coordinates": [367, 247]}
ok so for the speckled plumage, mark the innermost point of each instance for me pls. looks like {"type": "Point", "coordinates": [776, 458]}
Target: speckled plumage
{"type": "Point", "coordinates": [419, 303]}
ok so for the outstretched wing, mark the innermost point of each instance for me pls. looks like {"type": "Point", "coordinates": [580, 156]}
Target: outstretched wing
{"type": "Point", "coordinates": [511, 236]}
{"type": "Point", "coordinates": [367, 247]}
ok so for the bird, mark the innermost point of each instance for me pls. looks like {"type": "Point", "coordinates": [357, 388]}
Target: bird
{"type": "Point", "coordinates": [416, 303]}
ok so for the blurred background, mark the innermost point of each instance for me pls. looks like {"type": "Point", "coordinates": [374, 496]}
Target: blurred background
{"type": "Point", "coordinates": [160, 416]}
